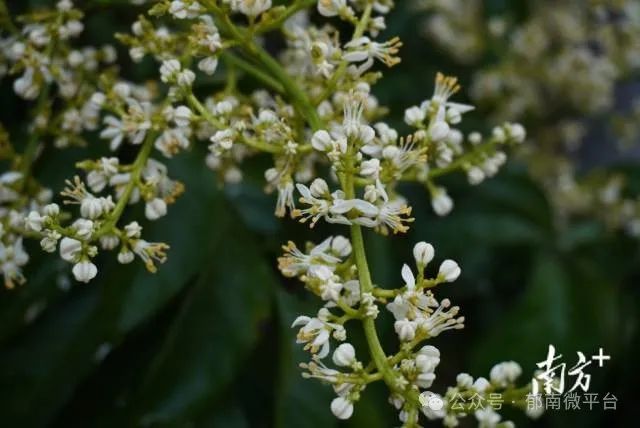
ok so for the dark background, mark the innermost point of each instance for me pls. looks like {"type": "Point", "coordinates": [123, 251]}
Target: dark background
{"type": "Point", "coordinates": [206, 341]}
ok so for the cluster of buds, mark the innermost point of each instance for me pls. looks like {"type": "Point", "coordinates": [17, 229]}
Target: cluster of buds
{"type": "Point", "coordinates": [330, 271]}
{"type": "Point", "coordinates": [574, 53]}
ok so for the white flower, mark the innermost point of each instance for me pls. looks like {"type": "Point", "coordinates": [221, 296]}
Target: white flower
{"type": "Point", "coordinates": [91, 207]}
{"type": "Point", "coordinates": [464, 380]}
{"type": "Point", "coordinates": [405, 329]}
{"type": "Point", "coordinates": [319, 188]}
{"type": "Point", "coordinates": [516, 132]}
{"type": "Point", "coordinates": [439, 130]}
{"type": "Point", "coordinates": [208, 65]}
{"type": "Point", "coordinates": [505, 373]}
{"type": "Point", "coordinates": [475, 175]}
{"type": "Point", "coordinates": [432, 405]}
{"type": "Point", "coordinates": [414, 116]}
{"type": "Point", "coordinates": [51, 210]}
{"type": "Point", "coordinates": [321, 141]}
{"type": "Point", "coordinates": [364, 49]}
{"type": "Point", "coordinates": [315, 333]}
{"type": "Point", "coordinates": [84, 271]}
{"type": "Point", "coordinates": [407, 276]}
{"type": "Point", "coordinates": [125, 257]}
{"type": "Point", "coordinates": [69, 249]}
{"type": "Point", "coordinates": [331, 8]}
{"type": "Point", "coordinates": [109, 242]}
{"type": "Point", "coordinates": [182, 116]}
{"type": "Point", "coordinates": [481, 384]}
{"type": "Point", "coordinates": [84, 228]}
{"type": "Point", "coordinates": [423, 253]}
{"type": "Point", "coordinates": [441, 202]}
{"type": "Point", "coordinates": [344, 355]}
{"type": "Point", "coordinates": [50, 241]}
{"type": "Point", "coordinates": [178, 9]}
{"type": "Point", "coordinates": [341, 407]}
{"type": "Point", "coordinates": [169, 69]}
{"type": "Point", "coordinates": [341, 246]}
{"type": "Point", "coordinates": [113, 132]}
{"type": "Point", "coordinates": [185, 78]}
{"type": "Point", "coordinates": [133, 230]}
{"type": "Point", "coordinates": [34, 221]}
{"type": "Point", "coordinates": [155, 208]}
{"type": "Point", "coordinates": [430, 358]}
{"type": "Point", "coordinates": [449, 270]}
{"type": "Point", "coordinates": [370, 168]}
{"type": "Point", "coordinates": [487, 417]}
{"type": "Point", "coordinates": [251, 7]}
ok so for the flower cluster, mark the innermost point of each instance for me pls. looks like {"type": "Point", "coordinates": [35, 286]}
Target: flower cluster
{"type": "Point", "coordinates": [332, 158]}
{"type": "Point", "coordinates": [330, 270]}
{"type": "Point", "coordinates": [574, 53]}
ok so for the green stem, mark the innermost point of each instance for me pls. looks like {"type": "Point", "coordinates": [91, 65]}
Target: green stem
{"type": "Point", "coordinates": [462, 160]}
{"type": "Point", "coordinates": [136, 173]}
{"type": "Point", "coordinates": [342, 68]}
{"type": "Point", "coordinates": [252, 70]}
{"type": "Point", "coordinates": [296, 95]}
{"type": "Point", "coordinates": [366, 286]}
{"type": "Point", "coordinates": [286, 14]}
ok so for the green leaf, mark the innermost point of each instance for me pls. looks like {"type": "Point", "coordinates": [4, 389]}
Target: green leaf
{"type": "Point", "coordinates": [43, 366]}
{"type": "Point", "coordinates": [541, 317]}
{"type": "Point", "coordinates": [301, 403]}
{"type": "Point", "coordinates": [215, 329]}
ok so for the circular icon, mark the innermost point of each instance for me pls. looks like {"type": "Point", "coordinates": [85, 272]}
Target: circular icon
{"type": "Point", "coordinates": [435, 403]}
{"type": "Point", "coordinates": [431, 400]}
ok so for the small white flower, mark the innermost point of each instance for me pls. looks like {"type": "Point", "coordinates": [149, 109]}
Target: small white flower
{"type": "Point", "coordinates": [185, 78]}
{"type": "Point", "coordinates": [505, 373]}
{"type": "Point", "coordinates": [125, 257]}
{"type": "Point", "coordinates": [414, 116]}
{"type": "Point", "coordinates": [341, 246]}
{"type": "Point", "coordinates": [464, 380]}
{"type": "Point", "coordinates": [481, 384]}
{"type": "Point", "coordinates": [344, 355]}
{"type": "Point", "coordinates": [321, 141]}
{"type": "Point", "coordinates": [405, 329]}
{"type": "Point", "coordinates": [251, 7]}
{"type": "Point", "coordinates": [84, 271]}
{"type": "Point", "coordinates": [155, 208]}
{"type": "Point", "coordinates": [208, 65]}
{"type": "Point", "coordinates": [50, 241]}
{"type": "Point", "coordinates": [439, 130]}
{"type": "Point", "coordinates": [423, 253]}
{"type": "Point", "coordinates": [51, 210]}
{"type": "Point", "coordinates": [475, 175]}
{"type": "Point", "coordinates": [169, 69]}
{"type": "Point", "coordinates": [69, 249]}
{"type": "Point", "coordinates": [441, 202]}
{"type": "Point", "coordinates": [449, 270]}
{"type": "Point", "coordinates": [487, 417]}
{"type": "Point", "coordinates": [182, 116]}
{"type": "Point", "coordinates": [370, 168]}
{"type": "Point", "coordinates": [91, 207]}
{"type": "Point", "coordinates": [319, 188]}
{"type": "Point", "coordinates": [84, 228]}
{"type": "Point", "coordinates": [34, 221]}
{"type": "Point", "coordinates": [516, 132]}
{"type": "Point", "coordinates": [341, 407]}
{"type": "Point", "coordinates": [133, 230]}
{"type": "Point", "coordinates": [331, 8]}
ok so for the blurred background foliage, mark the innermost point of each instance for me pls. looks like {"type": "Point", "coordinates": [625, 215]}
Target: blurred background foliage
{"type": "Point", "coordinates": [207, 341]}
